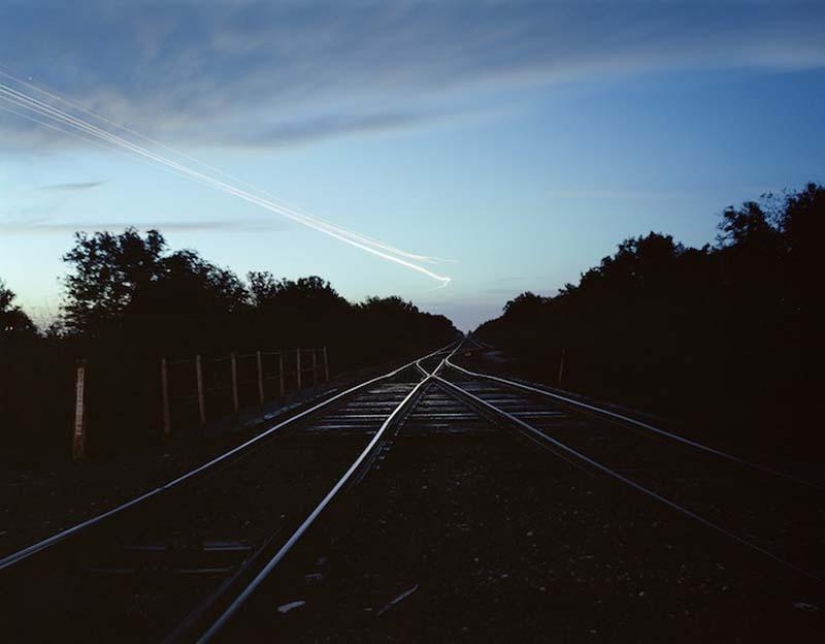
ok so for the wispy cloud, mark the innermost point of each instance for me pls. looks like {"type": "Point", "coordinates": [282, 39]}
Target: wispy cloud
{"type": "Point", "coordinates": [72, 187]}
{"type": "Point", "coordinates": [509, 279]}
{"type": "Point", "coordinates": [260, 73]}
{"type": "Point", "coordinates": [303, 131]}
{"type": "Point", "coordinates": [615, 194]}
{"type": "Point", "coordinates": [46, 227]}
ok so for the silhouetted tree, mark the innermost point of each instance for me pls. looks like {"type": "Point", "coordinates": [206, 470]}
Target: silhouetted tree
{"type": "Point", "coordinates": [31, 370]}
{"type": "Point", "coordinates": [384, 323]}
{"type": "Point", "coordinates": [108, 270]}
{"type": "Point", "coordinates": [14, 323]}
{"type": "Point", "coordinates": [130, 300]}
{"type": "Point", "coordinates": [306, 312]}
{"type": "Point", "coordinates": [130, 289]}
{"type": "Point", "coordinates": [388, 307]}
{"type": "Point", "coordinates": [193, 306]}
{"type": "Point", "coordinates": [525, 304]}
{"type": "Point", "coordinates": [729, 330]}
{"type": "Point", "coordinates": [802, 225]}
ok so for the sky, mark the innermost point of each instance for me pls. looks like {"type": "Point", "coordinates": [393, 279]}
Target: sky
{"type": "Point", "coordinates": [522, 141]}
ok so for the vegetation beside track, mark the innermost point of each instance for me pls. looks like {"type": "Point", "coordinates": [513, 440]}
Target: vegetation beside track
{"type": "Point", "coordinates": [729, 333]}
{"type": "Point", "coordinates": [130, 300]}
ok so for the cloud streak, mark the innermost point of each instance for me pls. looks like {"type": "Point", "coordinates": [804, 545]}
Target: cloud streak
{"type": "Point", "coordinates": [46, 227]}
{"type": "Point", "coordinates": [73, 187]}
{"type": "Point", "coordinates": [271, 74]}
{"type": "Point", "coordinates": [47, 109]}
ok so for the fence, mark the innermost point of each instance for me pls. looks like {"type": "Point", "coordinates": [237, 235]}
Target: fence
{"type": "Point", "coordinates": [196, 390]}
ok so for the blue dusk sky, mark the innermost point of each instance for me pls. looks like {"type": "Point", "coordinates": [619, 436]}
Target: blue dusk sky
{"type": "Point", "coordinates": [523, 140]}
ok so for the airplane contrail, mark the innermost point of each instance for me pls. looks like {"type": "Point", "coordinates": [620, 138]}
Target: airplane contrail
{"type": "Point", "coordinates": [68, 123]}
{"type": "Point", "coordinates": [369, 240]}
{"type": "Point", "coordinates": [19, 98]}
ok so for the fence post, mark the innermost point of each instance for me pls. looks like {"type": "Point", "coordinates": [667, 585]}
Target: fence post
{"type": "Point", "coordinates": [234, 365]}
{"type": "Point", "coordinates": [298, 367]}
{"type": "Point", "coordinates": [79, 438]}
{"type": "Point", "coordinates": [281, 384]}
{"type": "Point", "coordinates": [314, 367]}
{"type": "Point", "coordinates": [561, 366]}
{"type": "Point", "coordinates": [326, 364]}
{"type": "Point", "coordinates": [260, 377]}
{"type": "Point", "coordinates": [201, 401]}
{"type": "Point", "coordinates": [164, 385]}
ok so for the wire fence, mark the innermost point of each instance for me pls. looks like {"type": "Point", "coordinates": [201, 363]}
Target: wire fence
{"type": "Point", "coordinates": [192, 392]}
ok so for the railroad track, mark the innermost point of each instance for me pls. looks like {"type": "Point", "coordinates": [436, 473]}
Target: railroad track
{"type": "Point", "coordinates": [448, 491]}
{"type": "Point", "coordinates": [153, 568]}
{"type": "Point", "coordinates": [771, 512]}
{"type": "Point", "coordinates": [716, 559]}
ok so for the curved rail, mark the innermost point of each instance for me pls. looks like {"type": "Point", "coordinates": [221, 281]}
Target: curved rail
{"type": "Point", "coordinates": [570, 455]}
{"type": "Point", "coordinates": [218, 625]}
{"type": "Point", "coordinates": [25, 553]}
{"type": "Point", "coordinates": [631, 421]}
{"type": "Point", "coordinates": [540, 437]}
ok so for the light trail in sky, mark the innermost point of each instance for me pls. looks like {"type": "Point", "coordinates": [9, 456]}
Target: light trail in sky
{"type": "Point", "coordinates": [66, 122]}
{"type": "Point", "coordinates": [237, 181]}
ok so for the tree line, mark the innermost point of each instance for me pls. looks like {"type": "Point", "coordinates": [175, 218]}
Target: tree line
{"type": "Point", "coordinates": [728, 334]}
{"type": "Point", "coordinates": [130, 299]}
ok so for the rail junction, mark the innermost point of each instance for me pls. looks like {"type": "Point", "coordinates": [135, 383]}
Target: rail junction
{"type": "Point", "coordinates": [436, 503]}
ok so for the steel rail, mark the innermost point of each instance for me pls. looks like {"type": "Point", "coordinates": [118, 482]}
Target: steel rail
{"type": "Point", "coordinates": [25, 553]}
{"type": "Point", "coordinates": [447, 350]}
{"type": "Point", "coordinates": [540, 436]}
{"type": "Point", "coordinates": [236, 604]}
{"type": "Point", "coordinates": [632, 421]}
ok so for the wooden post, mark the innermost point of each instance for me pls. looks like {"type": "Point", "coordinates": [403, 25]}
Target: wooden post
{"type": "Point", "coordinates": [79, 438]}
{"type": "Point", "coordinates": [298, 367]}
{"type": "Point", "coordinates": [260, 377]}
{"type": "Point", "coordinates": [561, 366]}
{"type": "Point", "coordinates": [234, 365]}
{"type": "Point", "coordinates": [326, 364]}
{"type": "Point", "coordinates": [164, 388]}
{"type": "Point", "coordinates": [314, 367]}
{"type": "Point", "coordinates": [281, 384]}
{"type": "Point", "coordinates": [201, 401]}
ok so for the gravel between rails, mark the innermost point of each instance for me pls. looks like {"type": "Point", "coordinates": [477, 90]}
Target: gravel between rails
{"type": "Point", "coordinates": [477, 536]}
{"type": "Point", "coordinates": [706, 430]}
{"type": "Point", "coordinates": [38, 502]}
{"type": "Point", "coordinates": [784, 517]}
{"type": "Point", "coordinates": [135, 577]}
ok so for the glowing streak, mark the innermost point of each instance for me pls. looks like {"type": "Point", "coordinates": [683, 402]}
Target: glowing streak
{"type": "Point", "coordinates": [362, 242]}
{"type": "Point", "coordinates": [45, 109]}
{"type": "Point", "coordinates": [381, 250]}
{"type": "Point", "coordinates": [51, 126]}
{"type": "Point", "coordinates": [42, 108]}
{"type": "Point", "coordinates": [357, 236]}
{"type": "Point", "coordinates": [77, 135]}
